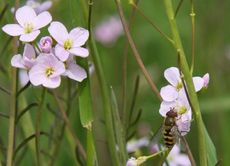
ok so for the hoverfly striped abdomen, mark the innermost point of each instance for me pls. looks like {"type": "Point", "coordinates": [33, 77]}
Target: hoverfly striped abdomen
{"type": "Point", "coordinates": [169, 128]}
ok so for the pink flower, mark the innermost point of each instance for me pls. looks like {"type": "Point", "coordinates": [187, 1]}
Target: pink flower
{"type": "Point", "coordinates": [47, 71]}
{"type": "Point", "coordinates": [68, 43]}
{"type": "Point", "coordinates": [74, 71]}
{"type": "Point", "coordinates": [131, 162]}
{"type": "Point", "coordinates": [109, 31]}
{"type": "Point", "coordinates": [171, 92]}
{"type": "Point", "coordinates": [28, 25]}
{"type": "Point", "coordinates": [27, 60]}
{"type": "Point", "coordinates": [134, 145]}
{"type": "Point", "coordinates": [206, 79]}
{"type": "Point", "coordinates": [39, 7]}
{"type": "Point", "coordinates": [176, 158]}
{"type": "Point", "coordinates": [45, 44]}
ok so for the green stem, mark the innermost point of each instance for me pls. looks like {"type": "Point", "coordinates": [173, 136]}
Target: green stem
{"type": "Point", "coordinates": [13, 108]}
{"type": "Point", "coordinates": [192, 14]}
{"type": "Point", "coordinates": [38, 125]}
{"type": "Point", "coordinates": [105, 94]}
{"type": "Point", "coordinates": [189, 82]}
{"type": "Point", "coordinates": [91, 153]}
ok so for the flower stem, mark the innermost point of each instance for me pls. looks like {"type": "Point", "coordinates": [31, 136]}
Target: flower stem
{"type": "Point", "coordinates": [189, 82]}
{"type": "Point", "coordinates": [192, 14]}
{"type": "Point", "coordinates": [13, 107]}
{"type": "Point", "coordinates": [135, 51]}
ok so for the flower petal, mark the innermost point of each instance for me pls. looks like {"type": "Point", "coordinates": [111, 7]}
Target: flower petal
{"type": "Point", "coordinates": [17, 61]}
{"type": "Point", "coordinates": [43, 7]}
{"type": "Point", "coordinates": [172, 75]}
{"type": "Point", "coordinates": [79, 36]}
{"type": "Point", "coordinates": [79, 51]}
{"type": "Point", "coordinates": [29, 52]}
{"type": "Point", "coordinates": [52, 82]}
{"type": "Point", "coordinates": [24, 15]}
{"type": "Point", "coordinates": [206, 79]}
{"type": "Point", "coordinates": [76, 72]}
{"type": "Point", "coordinates": [29, 37]}
{"type": "Point", "coordinates": [13, 29]}
{"type": "Point", "coordinates": [168, 93]}
{"type": "Point", "coordinates": [23, 77]}
{"type": "Point", "coordinates": [61, 53]}
{"type": "Point", "coordinates": [37, 74]}
{"type": "Point", "coordinates": [166, 107]}
{"type": "Point", "coordinates": [198, 83]}
{"type": "Point", "coordinates": [58, 31]}
{"type": "Point", "coordinates": [42, 20]}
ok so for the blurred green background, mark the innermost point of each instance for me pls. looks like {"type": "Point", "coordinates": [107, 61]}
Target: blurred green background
{"type": "Point", "coordinates": [212, 55]}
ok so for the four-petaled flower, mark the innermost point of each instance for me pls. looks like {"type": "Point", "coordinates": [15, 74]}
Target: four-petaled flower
{"type": "Point", "coordinates": [68, 43]}
{"type": "Point", "coordinates": [28, 25]}
{"type": "Point", "coordinates": [47, 71]}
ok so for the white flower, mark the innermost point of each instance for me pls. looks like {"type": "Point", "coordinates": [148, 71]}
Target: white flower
{"type": "Point", "coordinates": [109, 31]}
{"type": "Point", "coordinates": [68, 43]}
{"type": "Point", "coordinates": [176, 158]}
{"type": "Point", "coordinates": [74, 71]}
{"type": "Point", "coordinates": [132, 162]}
{"type": "Point", "coordinates": [134, 145]}
{"type": "Point", "coordinates": [27, 60]}
{"type": "Point", "coordinates": [28, 25]}
{"type": "Point", "coordinates": [47, 71]}
{"type": "Point", "coordinates": [39, 7]}
{"type": "Point", "coordinates": [171, 92]}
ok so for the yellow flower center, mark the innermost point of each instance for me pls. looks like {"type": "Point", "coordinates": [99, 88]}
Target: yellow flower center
{"type": "Point", "coordinates": [28, 28]}
{"type": "Point", "coordinates": [49, 71]}
{"type": "Point", "coordinates": [179, 86]}
{"type": "Point", "coordinates": [68, 44]}
{"type": "Point", "coordinates": [182, 110]}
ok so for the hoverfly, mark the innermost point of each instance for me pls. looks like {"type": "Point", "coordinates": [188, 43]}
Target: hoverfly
{"type": "Point", "coordinates": [170, 129]}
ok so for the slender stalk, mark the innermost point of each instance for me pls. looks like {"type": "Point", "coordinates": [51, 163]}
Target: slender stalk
{"type": "Point", "coordinates": [135, 51]}
{"type": "Point", "coordinates": [13, 108]}
{"type": "Point", "coordinates": [152, 23]}
{"type": "Point", "coordinates": [188, 151]}
{"type": "Point", "coordinates": [66, 119]}
{"type": "Point", "coordinates": [192, 14]}
{"type": "Point", "coordinates": [189, 82]}
{"type": "Point", "coordinates": [5, 90]}
{"type": "Point", "coordinates": [38, 125]}
{"type": "Point", "coordinates": [105, 96]}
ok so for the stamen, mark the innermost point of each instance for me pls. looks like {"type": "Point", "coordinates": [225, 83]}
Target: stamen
{"type": "Point", "coordinates": [68, 44]}
{"type": "Point", "coordinates": [49, 71]}
{"type": "Point", "coordinates": [28, 27]}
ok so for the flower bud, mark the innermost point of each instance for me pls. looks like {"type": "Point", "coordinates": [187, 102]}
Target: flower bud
{"type": "Point", "coordinates": [46, 44]}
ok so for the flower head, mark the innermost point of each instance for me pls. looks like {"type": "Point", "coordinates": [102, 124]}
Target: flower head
{"type": "Point", "coordinates": [131, 162]}
{"type": "Point", "coordinates": [134, 145]}
{"type": "Point", "coordinates": [171, 92]}
{"type": "Point", "coordinates": [109, 31]}
{"type": "Point", "coordinates": [27, 60]}
{"type": "Point", "coordinates": [45, 44]}
{"type": "Point", "coordinates": [28, 25]}
{"type": "Point", "coordinates": [176, 158]}
{"type": "Point", "coordinates": [68, 43]}
{"type": "Point", "coordinates": [39, 7]}
{"type": "Point", "coordinates": [47, 71]}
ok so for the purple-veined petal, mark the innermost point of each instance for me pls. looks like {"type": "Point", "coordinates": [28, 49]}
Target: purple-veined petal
{"type": "Point", "coordinates": [42, 20]}
{"type": "Point", "coordinates": [168, 93]}
{"type": "Point", "coordinates": [29, 37]}
{"type": "Point", "coordinates": [17, 61]}
{"type": "Point", "coordinates": [166, 107]}
{"type": "Point", "coordinates": [25, 15]}
{"type": "Point", "coordinates": [172, 75]}
{"type": "Point", "coordinates": [52, 82]}
{"type": "Point", "coordinates": [37, 74]}
{"type": "Point", "coordinates": [75, 72]}
{"type": "Point", "coordinates": [13, 29]}
{"type": "Point", "coordinates": [58, 31]}
{"type": "Point", "coordinates": [61, 53]}
{"type": "Point", "coordinates": [198, 83]}
{"type": "Point", "coordinates": [79, 36]}
{"type": "Point", "coordinates": [79, 51]}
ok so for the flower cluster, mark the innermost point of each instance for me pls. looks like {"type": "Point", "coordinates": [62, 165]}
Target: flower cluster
{"type": "Point", "coordinates": [44, 63]}
{"type": "Point", "coordinates": [174, 96]}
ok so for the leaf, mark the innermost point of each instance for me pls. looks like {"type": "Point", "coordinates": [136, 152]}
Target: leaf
{"type": "Point", "coordinates": [210, 149]}
{"type": "Point", "coordinates": [85, 100]}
